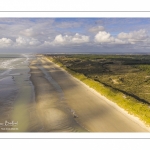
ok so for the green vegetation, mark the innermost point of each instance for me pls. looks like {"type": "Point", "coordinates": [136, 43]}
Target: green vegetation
{"type": "Point", "coordinates": [123, 79]}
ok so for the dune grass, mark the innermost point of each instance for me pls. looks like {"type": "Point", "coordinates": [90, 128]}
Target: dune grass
{"type": "Point", "coordinates": [130, 104]}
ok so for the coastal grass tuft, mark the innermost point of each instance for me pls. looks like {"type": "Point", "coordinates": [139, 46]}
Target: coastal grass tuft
{"type": "Point", "coordinates": [130, 104]}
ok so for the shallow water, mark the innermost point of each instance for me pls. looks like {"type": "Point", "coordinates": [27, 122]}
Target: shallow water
{"type": "Point", "coordinates": [16, 92]}
{"type": "Point", "coordinates": [10, 68]}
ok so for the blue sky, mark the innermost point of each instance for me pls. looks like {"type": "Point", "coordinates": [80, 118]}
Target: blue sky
{"type": "Point", "coordinates": [74, 35]}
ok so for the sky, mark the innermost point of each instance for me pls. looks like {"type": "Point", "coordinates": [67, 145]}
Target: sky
{"type": "Point", "coordinates": [74, 35]}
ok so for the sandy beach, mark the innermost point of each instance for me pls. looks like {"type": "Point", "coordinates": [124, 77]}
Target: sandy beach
{"type": "Point", "coordinates": [39, 96]}
{"type": "Point", "coordinates": [65, 104]}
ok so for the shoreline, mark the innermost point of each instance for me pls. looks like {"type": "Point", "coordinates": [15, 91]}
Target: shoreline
{"type": "Point", "coordinates": [16, 104]}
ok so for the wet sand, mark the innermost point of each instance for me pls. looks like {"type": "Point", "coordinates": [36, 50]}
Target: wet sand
{"type": "Point", "coordinates": [52, 110]}
{"type": "Point", "coordinates": [65, 104]}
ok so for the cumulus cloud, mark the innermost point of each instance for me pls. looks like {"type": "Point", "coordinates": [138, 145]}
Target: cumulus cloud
{"type": "Point", "coordinates": [23, 41]}
{"type": "Point", "coordinates": [77, 38]}
{"type": "Point", "coordinates": [104, 37]}
{"type": "Point", "coordinates": [5, 42]}
{"type": "Point", "coordinates": [133, 37]}
{"type": "Point", "coordinates": [96, 29]}
{"type": "Point", "coordinates": [61, 39]}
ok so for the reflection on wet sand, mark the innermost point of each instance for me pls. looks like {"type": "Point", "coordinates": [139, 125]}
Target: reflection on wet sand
{"type": "Point", "coordinates": [55, 115]}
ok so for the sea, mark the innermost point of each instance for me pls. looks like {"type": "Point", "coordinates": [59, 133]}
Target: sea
{"type": "Point", "coordinates": [16, 91]}
{"type": "Point", "coordinates": [11, 67]}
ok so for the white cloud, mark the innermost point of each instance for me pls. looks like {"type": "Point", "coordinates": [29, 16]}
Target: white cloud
{"type": "Point", "coordinates": [133, 37]}
{"type": "Point", "coordinates": [5, 42]}
{"type": "Point", "coordinates": [104, 37]}
{"type": "Point", "coordinates": [61, 39]}
{"type": "Point", "coordinates": [76, 39]}
{"type": "Point", "coordinates": [96, 29]}
{"type": "Point", "coordinates": [23, 41]}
